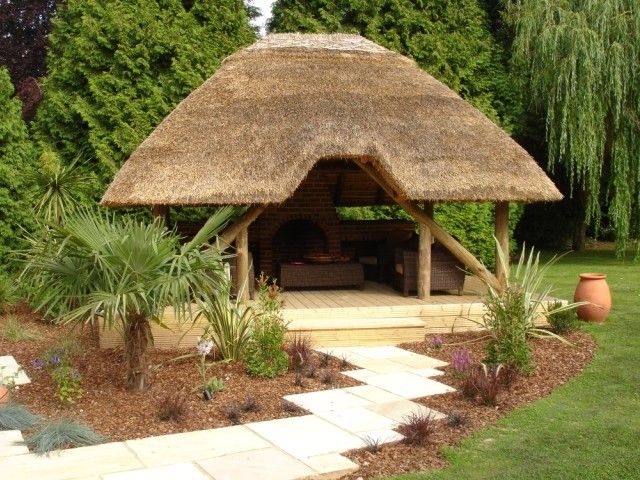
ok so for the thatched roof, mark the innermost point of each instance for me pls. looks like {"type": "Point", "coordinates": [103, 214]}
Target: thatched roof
{"type": "Point", "coordinates": [251, 132]}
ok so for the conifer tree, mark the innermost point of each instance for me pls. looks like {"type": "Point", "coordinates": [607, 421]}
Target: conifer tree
{"type": "Point", "coordinates": [118, 67]}
{"type": "Point", "coordinates": [16, 158]}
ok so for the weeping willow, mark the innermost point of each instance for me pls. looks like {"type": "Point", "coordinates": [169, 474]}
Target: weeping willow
{"type": "Point", "coordinates": [581, 64]}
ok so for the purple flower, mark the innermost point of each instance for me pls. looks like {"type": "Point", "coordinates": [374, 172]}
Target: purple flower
{"type": "Point", "coordinates": [461, 360]}
{"type": "Point", "coordinates": [437, 342]}
{"type": "Point", "coordinates": [37, 363]}
{"type": "Point", "coordinates": [55, 360]}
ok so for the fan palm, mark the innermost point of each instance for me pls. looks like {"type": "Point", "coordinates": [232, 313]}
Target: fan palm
{"type": "Point", "coordinates": [97, 265]}
{"type": "Point", "coordinates": [59, 187]}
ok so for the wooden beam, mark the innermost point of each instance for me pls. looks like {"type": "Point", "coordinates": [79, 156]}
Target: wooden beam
{"type": "Point", "coordinates": [439, 233]}
{"type": "Point", "coordinates": [424, 256]}
{"type": "Point", "coordinates": [242, 222]}
{"type": "Point", "coordinates": [502, 237]}
{"type": "Point", "coordinates": [337, 197]}
{"type": "Point", "coordinates": [161, 213]}
{"type": "Point", "coordinates": [242, 264]}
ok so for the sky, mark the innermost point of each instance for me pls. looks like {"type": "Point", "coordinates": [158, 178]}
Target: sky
{"type": "Point", "coordinates": [265, 7]}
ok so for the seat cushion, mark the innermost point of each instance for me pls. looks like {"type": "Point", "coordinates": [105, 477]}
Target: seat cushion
{"type": "Point", "coordinates": [368, 260]}
{"type": "Point", "coordinates": [399, 268]}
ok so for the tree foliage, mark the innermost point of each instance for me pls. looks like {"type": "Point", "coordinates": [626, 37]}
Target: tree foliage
{"type": "Point", "coordinates": [24, 25]}
{"type": "Point", "coordinates": [580, 60]}
{"type": "Point", "coordinates": [118, 67]}
{"type": "Point", "coordinates": [449, 39]}
{"type": "Point", "coordinates": [16, 157]}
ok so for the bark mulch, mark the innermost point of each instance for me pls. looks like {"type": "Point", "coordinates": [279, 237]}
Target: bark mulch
{"type": "Point", "coordinates": [120, 415]}
{"type": "Point", "coordinates": [555, 364]}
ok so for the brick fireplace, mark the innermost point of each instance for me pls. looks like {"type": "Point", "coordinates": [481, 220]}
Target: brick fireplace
{"type": "Point", "coordinates": [305, 224]}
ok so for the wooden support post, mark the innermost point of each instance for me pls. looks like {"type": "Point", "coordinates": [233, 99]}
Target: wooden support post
{"type": "Point", "coordinates": [439, 233]}
{"type": "Point", "coordinates": [242, 264]}
{"type": "Point", "coordinates": [243, 222]}
{"type": "Point", "coordinates": [502, 236]}
{"type": "Point", "coordinates": [160, 212]}
{"type": "Point", "coordinates": [424, 256]}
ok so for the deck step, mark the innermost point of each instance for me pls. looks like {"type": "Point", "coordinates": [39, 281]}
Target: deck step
{"type": "Point", "coordinates": [340, 332]}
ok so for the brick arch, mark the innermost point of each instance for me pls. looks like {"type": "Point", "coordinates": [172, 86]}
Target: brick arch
{"type": "Point", "coordinates": [312, 202]}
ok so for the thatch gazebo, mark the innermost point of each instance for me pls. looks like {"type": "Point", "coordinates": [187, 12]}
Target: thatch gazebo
{"type": "Point", "coordinates": [366, 121]}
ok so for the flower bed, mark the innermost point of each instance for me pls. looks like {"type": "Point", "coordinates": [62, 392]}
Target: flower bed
{"type": "Point", "coordinates": [555, 364]}
{"type": "Point", "coordinates": [118, 414]}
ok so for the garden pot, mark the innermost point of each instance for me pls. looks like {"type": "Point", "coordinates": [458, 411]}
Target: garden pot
{"type": "Point", "coordinates": [4, 394]}
{"type": "Point", "coordinates": [206, 394]}
{"type": "Point", "coordinates": [593, 288]}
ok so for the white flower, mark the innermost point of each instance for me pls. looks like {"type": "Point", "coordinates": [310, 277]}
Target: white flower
{"type": "Point", "coordinates": [204, 346]}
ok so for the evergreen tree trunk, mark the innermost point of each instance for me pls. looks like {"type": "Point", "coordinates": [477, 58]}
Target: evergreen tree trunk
{"type": "Point", "coordinates": [136, 340]}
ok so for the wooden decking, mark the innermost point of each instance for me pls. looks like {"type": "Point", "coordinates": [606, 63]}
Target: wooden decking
{"type": "Point", "coordinates": [378, 314]}
{"type": "Point", "coordinates": [377, 295]}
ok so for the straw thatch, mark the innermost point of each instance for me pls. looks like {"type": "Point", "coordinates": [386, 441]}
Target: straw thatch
{"type": "Point", "coordinates": [251, 133]}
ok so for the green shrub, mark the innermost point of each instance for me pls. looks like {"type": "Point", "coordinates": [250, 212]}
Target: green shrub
{"type": "Point", "coordinates": [266, 354]}
{"type": "Point", "coordinates": [66, 377]}
{"type": "Point", "coordinates": [62, 433]}
{"type": "Point", "coordinates": [17, 417]}
{"type": "Point", "coordinates": [562, 321]}
{"type": "Point", "coordinates": [14, 330]}
{"type": "Point", "coordinates": [229, 324]}
{"type": "Point", "coordinates": [511, 313]}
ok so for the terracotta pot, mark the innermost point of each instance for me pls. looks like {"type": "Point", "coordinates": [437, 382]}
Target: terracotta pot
{"type": "Point", "coordinates": [593, 288]}
{"type": "Point", "coordinates": [4, 394]}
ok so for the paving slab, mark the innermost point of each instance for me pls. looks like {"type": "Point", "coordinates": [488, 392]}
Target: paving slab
{"type": "Point", "coordinates": [381, 353]}
{"type": "Point", "coordinates": [381, 365]}
{"type": "Point", "coordinates": [360, 374]}
{"type": "Point", "coordinates": [11, 443]}
{"type": "Point", "coordinates": [264, 464]}
{"type": "Point", "coordinates": [9, 368]}
{"type": "Point", "coordinates": [357, 419]}
{"type": "Point", "coordinates": [331, 465]}
{"type": "Point", "coordinates": [181, 471]}
{"type": "Point", "coordinates": [400, 410]}
{"type": "Point", "coordinates": [373, 394]}
{"type": "Point", "coordinates": [418, 361]}
{"type": "Point", "coordinates": [327, 400]}
{"type": "Point", "coordinates": [191, 446]}
{"type": "Point", "coordinates": [82, 462]}
{"type": "Point", "coordinates": [306, 436]}
{"type": "Point", "coordinates": [426, 372]}
{"type": "Point", "coordinates": [408, 385]}
{"type": "Point", "coordinates": [381, 436]}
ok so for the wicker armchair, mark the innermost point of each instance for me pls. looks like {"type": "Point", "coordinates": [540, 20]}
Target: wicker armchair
{"type": "Point", "coordinates": [446, 271]}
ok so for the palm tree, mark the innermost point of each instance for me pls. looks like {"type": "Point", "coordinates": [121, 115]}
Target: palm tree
{"type": "Point", "coordinates": [59, 186]}
{"type": "Point", "coordinates": [98, 265]}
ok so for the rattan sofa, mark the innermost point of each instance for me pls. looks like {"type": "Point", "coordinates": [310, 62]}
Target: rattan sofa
{"type": "Point", "coordinates": [447, 273]}
{"type": "Point", "coordinates": [311, 275]}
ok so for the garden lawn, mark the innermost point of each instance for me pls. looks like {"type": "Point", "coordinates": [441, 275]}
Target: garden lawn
{"type": "Point", "coordinates": [587, 429]}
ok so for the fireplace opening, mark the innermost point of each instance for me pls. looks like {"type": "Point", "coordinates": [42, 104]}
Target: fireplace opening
{"type": "Point", "coordinates": [296, 239]}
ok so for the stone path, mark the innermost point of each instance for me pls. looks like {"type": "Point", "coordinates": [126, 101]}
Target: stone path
{"type": "Point", "coordinates": [10, 370]}
{"type": "Point", "coordinates": [308, 446]}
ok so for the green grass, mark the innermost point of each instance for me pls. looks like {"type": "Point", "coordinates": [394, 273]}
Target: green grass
{"type": "Point", "coordinates": [590, 427]}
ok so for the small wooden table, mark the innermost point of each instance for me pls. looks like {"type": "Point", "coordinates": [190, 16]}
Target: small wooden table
{"type": "Point", "coordinates": [308, 275]}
